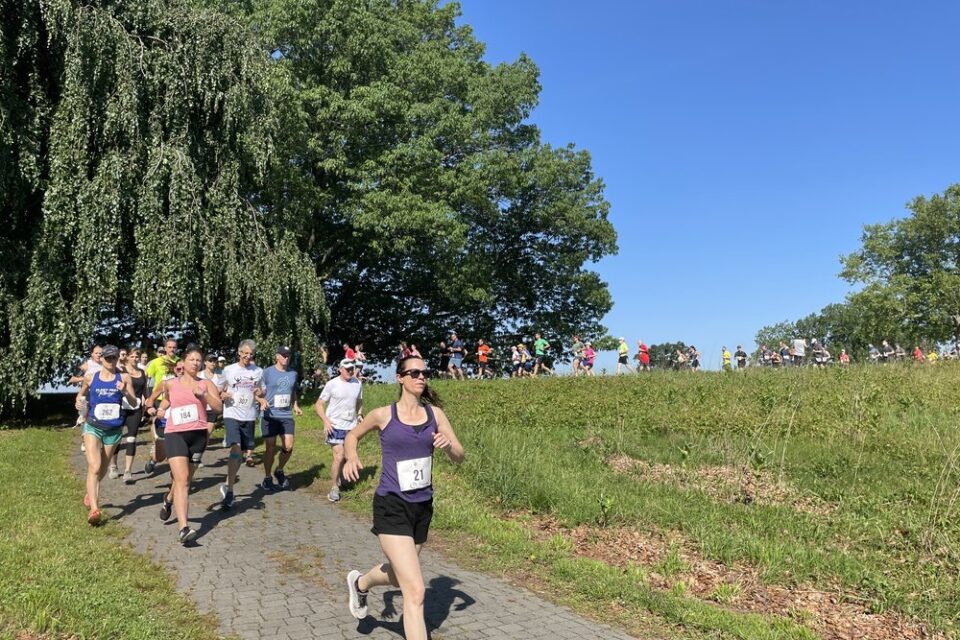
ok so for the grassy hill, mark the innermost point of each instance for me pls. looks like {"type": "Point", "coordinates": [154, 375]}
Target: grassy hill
{"type": "Point", "coordinates": [824, 498]}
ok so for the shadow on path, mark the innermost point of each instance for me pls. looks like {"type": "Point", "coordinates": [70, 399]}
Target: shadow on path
{"type": "Point", "coordinates": [439, 600]}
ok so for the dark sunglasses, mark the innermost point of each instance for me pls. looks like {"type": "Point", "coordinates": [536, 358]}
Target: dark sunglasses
{"type": "Point", "coordinates": [415, 373]}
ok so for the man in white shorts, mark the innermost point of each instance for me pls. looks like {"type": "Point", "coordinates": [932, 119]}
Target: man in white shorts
{"type": "Point", "coordinates": [339, 407]}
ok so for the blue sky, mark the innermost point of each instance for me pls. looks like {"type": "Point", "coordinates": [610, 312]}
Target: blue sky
{"type": "Point", "coordinates": [744, 144]}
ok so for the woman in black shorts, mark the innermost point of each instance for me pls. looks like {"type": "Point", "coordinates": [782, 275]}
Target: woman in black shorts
{"type": "Point", "coordinates": [410, 430]}
{"type": "Point", "coordinates": [133, 415]}
{"type": "Point", "coordinates": [186, 434]}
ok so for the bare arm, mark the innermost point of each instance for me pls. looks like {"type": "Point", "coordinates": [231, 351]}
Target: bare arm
{"type": "Point", "coordinates": [446, 439]}
{"type": "Point", "coordinates": [84, 387]}
{"type": "Point", "coordinates": [158, 390]}
{"type": "Point", "coordinates": [376, 419]}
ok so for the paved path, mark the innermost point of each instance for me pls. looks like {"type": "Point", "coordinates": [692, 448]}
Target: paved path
{"type": "Point", "coordinates": [274, 567]}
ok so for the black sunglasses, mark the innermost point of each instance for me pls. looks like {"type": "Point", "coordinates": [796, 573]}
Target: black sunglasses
{"type": "Point", "coordinates": [415, 373]}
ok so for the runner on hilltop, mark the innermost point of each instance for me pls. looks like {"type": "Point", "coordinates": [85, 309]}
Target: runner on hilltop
{"type": "Point", "coordinates": [483, 355]}
{"type": "Point", "coordinates": [577, 349]}
{"type": "Point", "coordinates": [410, 430]}
{"type": "Point", "coordinates": [643, 356]}
{"type": "Point", "coordinates": [741, 357]}
{"type": "Point", "coordinates": [623, 352]}
{"type": "Point", "coordinates": [457, 353]}
{"type": "Point", "coordinates": [540, 346]}
{"type": "Point", "coordinates": [339, 407]}
{"type": "Point", "coordinates": [589, 357]}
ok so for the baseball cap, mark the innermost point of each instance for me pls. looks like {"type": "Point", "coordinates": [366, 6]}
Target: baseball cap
{"type": "Point", "coordinates": [110, 351]}
{"type": "Point", "coordinates": [284, 351]}
{"type": "Point", "coordinates": [222, 359]}
{"type": "Point", "coordinates": [346, 363]}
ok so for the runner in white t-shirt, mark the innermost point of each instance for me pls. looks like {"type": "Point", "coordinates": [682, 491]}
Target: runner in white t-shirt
{"type": "Point", "coordinates": [339, 407]}
{"type": "Point", "coordinates": [242, 397]}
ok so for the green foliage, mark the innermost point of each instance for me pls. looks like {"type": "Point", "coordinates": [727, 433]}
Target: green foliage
{"type": "Point", "coordinates": [433, 203]}
{"type": "Point", "coordinates": [133, 139]}
{"type": "Point", "coordinates": [61, 578]}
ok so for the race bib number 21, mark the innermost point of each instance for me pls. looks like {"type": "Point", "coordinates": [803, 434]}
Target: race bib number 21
{"type": "Point", "coordinates": [415, 474]}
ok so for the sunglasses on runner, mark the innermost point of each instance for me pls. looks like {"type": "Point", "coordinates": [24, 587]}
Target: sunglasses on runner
{"type": "Point", "coordinates": [415, 373]}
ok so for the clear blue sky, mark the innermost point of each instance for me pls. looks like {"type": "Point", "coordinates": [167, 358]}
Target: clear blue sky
{"type": "Point", "coordinates": [744, 144]}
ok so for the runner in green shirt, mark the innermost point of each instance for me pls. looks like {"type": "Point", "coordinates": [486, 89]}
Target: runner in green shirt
{"type": "Point", "coordinates": [540, 346]}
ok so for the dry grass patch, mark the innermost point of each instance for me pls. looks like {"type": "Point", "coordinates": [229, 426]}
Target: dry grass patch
{"type": "Point", "coordinates": [668, 562]}
{"type": "Point", "coordinates": [725, 482]}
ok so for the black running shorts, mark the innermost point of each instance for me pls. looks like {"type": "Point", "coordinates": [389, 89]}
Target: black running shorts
{"type": "Point", "coordinates": [392, 515]}
{"type": "Point", "coordinates": [186, 444]}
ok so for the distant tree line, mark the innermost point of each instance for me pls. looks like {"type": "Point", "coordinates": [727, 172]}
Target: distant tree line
{"type": "Point", "coordinates": [909, 272]}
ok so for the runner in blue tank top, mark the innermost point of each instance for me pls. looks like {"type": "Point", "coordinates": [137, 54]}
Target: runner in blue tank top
{"type": "Point", "coordinates": [104, 392]}
{"type": "Point", "coordinates": [410, 430]}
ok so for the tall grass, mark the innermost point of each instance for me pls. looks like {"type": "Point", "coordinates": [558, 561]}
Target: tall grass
{"type": "Point", "coordinates": [878, 445]}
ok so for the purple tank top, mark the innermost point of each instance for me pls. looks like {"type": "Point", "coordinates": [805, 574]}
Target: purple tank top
{"type": "Point", "coordinates": [407, 458]}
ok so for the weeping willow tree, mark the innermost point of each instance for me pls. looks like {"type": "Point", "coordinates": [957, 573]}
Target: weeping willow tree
{"type": "Point", "coordinates": [138, 161]}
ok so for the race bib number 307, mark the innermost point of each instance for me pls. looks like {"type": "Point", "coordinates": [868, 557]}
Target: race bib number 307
{"type": "Point", "coordinates": [415, 474]}
{"type": "Point", "coordinates": [243, 400]}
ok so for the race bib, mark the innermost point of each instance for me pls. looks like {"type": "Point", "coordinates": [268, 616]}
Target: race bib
{"type": "Point", "coordinates": [281, 401]}
{"type": "Point", "coordinates": [185, 414]}
{"type": "Point", "coordinates": [106, 412]}
{"type": "Point", "coordinates": [243, 400]}
{"type": "Point", "coordinates": [415, 474]}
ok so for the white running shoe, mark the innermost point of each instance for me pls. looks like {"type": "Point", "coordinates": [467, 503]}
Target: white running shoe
{"type": "Point", "coordinates": [358, 599]}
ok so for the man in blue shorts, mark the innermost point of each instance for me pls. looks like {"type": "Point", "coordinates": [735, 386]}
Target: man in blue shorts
{"type": "Point", "coordinates": [242, 397]}
{"type": "Point", "coordinates": [280, 392]}
{"type": "Point", "coordinates": [339, 407]}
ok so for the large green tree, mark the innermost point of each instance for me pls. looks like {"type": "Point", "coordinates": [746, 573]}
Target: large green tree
{"type": "Point", "coordinates": [910, 269]}
{"type": "Point", "coordinates": [137, 143]}
{"type": "Point", "coordinates": [434, 205]}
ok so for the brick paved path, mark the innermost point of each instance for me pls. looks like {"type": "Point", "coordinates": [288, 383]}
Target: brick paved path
{"type": "Point", "coordinates": [274, 567]}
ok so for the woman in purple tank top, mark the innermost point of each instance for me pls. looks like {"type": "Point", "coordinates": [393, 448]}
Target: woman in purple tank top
{"type": "Point", "coordinates": [410, 430]}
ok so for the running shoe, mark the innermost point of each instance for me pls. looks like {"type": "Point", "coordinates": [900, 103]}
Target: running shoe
{"type": "Point", "coordinates": [114, 473]}
{"type": "Point", "coordinates": [165, 509]}
{"type": "Point", "coordinates": [187, 535]}
{"type": "Point", "coordinates": [334, 495]}
{"type": "Point", "coordinates": [250, 462]}
{"type": "Point", "coordinates": [150, 466]}
{"type": "Point", "coordinates": [267, 484]}
{"type": "Point", "coordinates": [358, 599]}
{"type": "Point", "coordinates": [282, 481]}
{"type": "Point", "coordinates": [127, 477]}
{"type": "Point", "coordinates": [227, 494]}
{"type": "Point", "coordinates": [94, 517]}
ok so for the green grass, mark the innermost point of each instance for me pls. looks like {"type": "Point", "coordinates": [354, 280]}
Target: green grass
{"type": "Point", "coordinates": [879, 445]}
{"type": "Point", "coordinates": [58, 575]}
